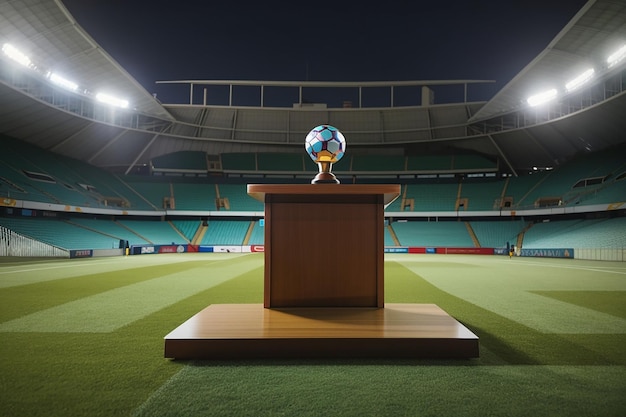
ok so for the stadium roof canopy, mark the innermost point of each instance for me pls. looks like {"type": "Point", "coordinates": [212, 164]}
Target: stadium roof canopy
{"type": "Point", "coordinates": [596, 31]}
{"type": "Point", "coordinates": [46, 30]}
{"type": "Point", "coordinates": [504, 128]}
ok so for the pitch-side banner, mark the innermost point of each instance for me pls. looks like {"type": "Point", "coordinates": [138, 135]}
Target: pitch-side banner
{"type": "Point", "coordinates": [548, 253]}
{"type": "Point", "coordinates": [81, 253]}
{"type": "Point", "coordinates": [228, 249]}
{"type": "Point", "coordinates": [396, 250]}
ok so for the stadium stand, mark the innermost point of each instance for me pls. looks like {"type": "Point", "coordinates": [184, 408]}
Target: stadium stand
{"type": "Point", "coordinates": [612, 192]}
{"type": "Point", "coordinates": [557, 187]}
{"type": "Point", "coordinates": [183, 161]}
{"type": "Point", "coordinates": [596, 233]}
{"type": "Point", "coordinates": [432, 234]}
{"type": "Point", "coordinates": [291, 162]}
{"type": "Point", "coordinates": [496, 234]}
{"type": "Point", "coordinates": [59, 233]}
{"type": "Point", "coordinates": [239, 162]}
{"type": "Point", "coordinates": [110, 228]}
{"type": "Point", "coordinates": [516, 188]}
{"type": "Point", "coordinates": [156, 191]}
{"type": "Point", "coordinates": [375, 163]}
{"type": "Point", "coordinates": [226, 232]}
{"type": "Point", "coordinates": [433, 196]}
{"type": "Point", "coordinates": [257, 237]}
{"type": "Point", "coordinates": [187, 227]}
{"type": "Point", "coordinates": [194, 196]}
{"type": "Point", "coordinates": [238, 198]}
{"type": "Point", "coordinates": [430, 163]}
{"type": "Point", "coordinates": [157, 232]}
{"type": "Point", "coordinates": [481, 195]}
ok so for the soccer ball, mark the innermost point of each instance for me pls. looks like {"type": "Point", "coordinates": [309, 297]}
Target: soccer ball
{"type": "Point", "coordinates": [325, 143]}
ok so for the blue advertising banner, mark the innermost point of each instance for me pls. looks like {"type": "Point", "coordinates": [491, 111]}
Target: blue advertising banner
{"type": "Point", "coordinates": [396, 250]}
{"type": "Point", "coordinates": [548, 253]}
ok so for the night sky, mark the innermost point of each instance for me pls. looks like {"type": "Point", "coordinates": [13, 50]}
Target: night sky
{"type": "Point", "coordinates": [322, 40]}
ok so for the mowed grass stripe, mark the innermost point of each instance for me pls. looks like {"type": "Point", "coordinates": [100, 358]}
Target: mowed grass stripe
{"type": "Point", "coordinates": [110, 310]}
{"type": "Point", "coordinates": [609, 302]}
{"type": "Point", "coordinates": [103, 374]}
{"type": "Point", "coordinates": [29, 298]}
{"type": "Point", "coordinates": [32, 273]}
{"type": "Point", "coordinates": [511, 341]}
{"type": "Point", "coordinates": [509, 288]}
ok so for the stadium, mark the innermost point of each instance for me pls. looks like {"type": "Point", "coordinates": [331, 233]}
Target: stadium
{"type": "Point", "coordinates": [121, 216]}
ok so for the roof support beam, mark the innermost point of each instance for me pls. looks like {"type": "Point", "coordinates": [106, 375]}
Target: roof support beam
{"type": "Point", "coordinates": [540, 146]}
{"type": "Point", "coordinates": [109, 143]}
{"type": "Point", "coordinates": [69, 137]}
{"type": "Point", "coordinates": [502, 155]}
{"type": "Point", "coordinates": [154, 138]}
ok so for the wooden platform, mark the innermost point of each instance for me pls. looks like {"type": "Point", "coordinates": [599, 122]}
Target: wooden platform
{"type": "Point", "coordinates": [237, 331]}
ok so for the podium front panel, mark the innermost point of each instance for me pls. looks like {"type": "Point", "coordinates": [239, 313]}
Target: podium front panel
{"type": "Point", "coordinates": [324, 244]}
{"type": "Point", "coordinates": [323, 254]}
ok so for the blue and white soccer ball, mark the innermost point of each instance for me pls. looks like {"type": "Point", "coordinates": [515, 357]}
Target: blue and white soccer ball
{"type": "Point", "coordinates": [325, 143]}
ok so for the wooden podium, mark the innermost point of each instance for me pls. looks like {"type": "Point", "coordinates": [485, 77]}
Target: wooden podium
{"type": "Point", "coordinates": [323, 288]}
{"type": "Point", "coordinates": [324, 244]}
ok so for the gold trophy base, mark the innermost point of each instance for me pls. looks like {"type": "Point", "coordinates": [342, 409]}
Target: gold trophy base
{"type": "Point", "coordinates": [325, 178]}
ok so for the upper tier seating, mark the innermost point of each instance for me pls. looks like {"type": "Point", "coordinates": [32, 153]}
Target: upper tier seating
{"type": "Point", "coordinates": [597, 233]}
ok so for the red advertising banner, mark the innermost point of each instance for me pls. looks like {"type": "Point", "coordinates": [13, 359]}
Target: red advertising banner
{"type": "Point", "coordinates": [466, 251]}
{"type": "Point", "coordinates": [452, 251]}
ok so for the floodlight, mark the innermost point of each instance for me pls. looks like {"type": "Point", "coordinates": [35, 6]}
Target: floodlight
{"type": "Point", "coordinates": [580, 80]}
{"type": "Point", "coordinates": [16, 55]}
{"type": "Point", "coordinates": [616, 56]}
{"type": "Point", "coordinates": [114, 101]}
{"type": "Point", "coordinates": [62, 82]}
{"type": "Point", "coordinates": [541, 98]}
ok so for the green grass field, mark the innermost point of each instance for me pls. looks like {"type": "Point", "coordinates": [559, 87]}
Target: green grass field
{"type": "Point", "coordinates": [85, 338]}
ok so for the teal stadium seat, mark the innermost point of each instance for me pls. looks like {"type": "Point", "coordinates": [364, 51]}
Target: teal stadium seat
{"type": "Point", "coordinates": [496, 234]}
{"type": "Point", "coordinates": [60, 233]}
{"type": "Point", "coordinates": [225, 232]}
{"type": "Point", "coordinates": [433, 234]}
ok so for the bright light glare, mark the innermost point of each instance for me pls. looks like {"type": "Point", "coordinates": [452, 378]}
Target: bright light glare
{"type": "Point", "coordinates": [616, 56]}
{"type": "Point", "coordinates": [580, 80]}
{"type": "Point", "coordinates": [63, 82]}
{"type": "Point", "coordinates": [114, 101]}
{"type": "Point", "coordinates": [15, 54]}
{"type": "Point", "coordinates": [541, 98]}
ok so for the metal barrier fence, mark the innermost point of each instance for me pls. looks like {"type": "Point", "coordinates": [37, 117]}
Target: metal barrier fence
{"type": "Point", "coordinates": [14, 244]}
{"type": "Point", "coordinates": [601, 254]}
